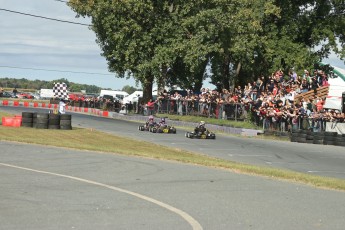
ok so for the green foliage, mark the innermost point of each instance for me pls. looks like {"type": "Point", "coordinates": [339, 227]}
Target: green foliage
{"type": "Point", "coordinates": [237, 39]}
{"type": "Point", "coordinates": [38, 84]}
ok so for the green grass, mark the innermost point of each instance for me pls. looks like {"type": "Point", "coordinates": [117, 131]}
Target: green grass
{"type": "Point", "coordinates": [197, 119]}
{"type": "Point", "coordinates": [93, 140]}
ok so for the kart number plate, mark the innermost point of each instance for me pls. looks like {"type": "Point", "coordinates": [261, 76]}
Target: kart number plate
{"type": "Point", "coordinates": [203, 136]}
{"type": "Point", "coordinates": [165, 130]}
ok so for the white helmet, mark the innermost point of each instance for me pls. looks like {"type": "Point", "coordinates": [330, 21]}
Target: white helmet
{"type": "Point", "coordinates": [202, 122]}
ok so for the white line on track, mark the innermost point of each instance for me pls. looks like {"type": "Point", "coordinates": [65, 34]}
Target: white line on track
{"type": "Point", "coordinates": [326, 172]}
{"type": "Point", "coordinates": [245, 155]}
{"type": "Point", "coordinates": [195, 225]}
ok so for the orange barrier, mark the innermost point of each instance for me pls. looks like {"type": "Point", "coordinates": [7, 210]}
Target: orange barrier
{"type": "Point", "coordinates": [12, 121]}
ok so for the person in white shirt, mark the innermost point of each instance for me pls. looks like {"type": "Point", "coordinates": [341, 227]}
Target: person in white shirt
{"type": "Point", "coordinates": [62, 106]}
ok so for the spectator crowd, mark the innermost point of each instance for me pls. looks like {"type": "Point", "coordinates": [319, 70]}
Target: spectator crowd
{"type": "Point", "coordinates": [273, 102]}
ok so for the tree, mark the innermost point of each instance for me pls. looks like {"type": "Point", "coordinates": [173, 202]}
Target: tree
{"type": "Point", "coordinates": [129, 89]}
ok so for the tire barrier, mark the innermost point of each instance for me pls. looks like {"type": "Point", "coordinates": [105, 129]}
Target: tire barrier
{"type": "Point", "coordinates": [66, 121]}
{"type": "Point", "coordinates": [42, 121]}
{"type": "Point", "coordinates": [27, 119]}
{"type": "Point", "coordinates": [321, 138]}
{"type": "Point", "coordinates": [53, 121]}
{"type": "Point", "coordinates": [46, 121]}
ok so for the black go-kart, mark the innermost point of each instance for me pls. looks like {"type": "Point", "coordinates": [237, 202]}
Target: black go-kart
{"type": "Point", "coordinates": [162, 129]}
{"type": "Point", "coordinates": [145, 127]}
{"type": "Point", "coordinates": [201, 135]}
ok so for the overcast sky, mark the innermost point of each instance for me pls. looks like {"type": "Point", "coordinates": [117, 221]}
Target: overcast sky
{"type": "Point", "coordinates": [35, 43]}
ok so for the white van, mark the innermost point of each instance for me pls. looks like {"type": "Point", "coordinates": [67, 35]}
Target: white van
{"type": "Point", "coordinates": [134, 97]}
{"type": "Point", "coordinates": [116, 94]}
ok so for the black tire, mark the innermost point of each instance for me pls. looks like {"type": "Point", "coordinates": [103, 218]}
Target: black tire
{"type": "Point", "coordinates": [42, 115]}
{"type": "Point", "coordinates": [27, 124]}
{"type": "Point", "coordinates": [309, 141]}
{"type": "Point", "coordinates": [303, 135]}
{"type": "Point", "coordinates": [27, 115]}
{"type": "Point", "coordinates": [301, 140]}
{"type": "Point", "coordinates": [318, 142]}
{"type": "Point", "coordinates": [319, 137]}
{"type": "Point", "coordinates": [331, 134]}
{"type": "Point", "coordinates": [329, 138]}
{"type": "Point", "coordinates": [34, 115]}
{"type": "Point", "coordinates": [293, 139]}
{"type": "Point", "coordinates": [310, 137]}
{"type": "Point", "coordinates": [66, 127]}
{"type": "Point", "coordinates": [41, 126]}
{"type": "Point", "coordinates": [53, 126]}
{"type": "Point", "coordinates": [26, 119]}
{"type": "Point", "coordinates": [328, 142]}
{"type": "Point", "coordinates": [54, 116]}
{"type": "Point", "coordinates": [65, 117]}
{"type": "Point", "coordinates": [65, 122]}
{"type": "Point", "coordinates": [54, 122]}
{"type": "Point", "coordinates": [42, 120]}
{"type": "Point", "coordinates": [339, 143]}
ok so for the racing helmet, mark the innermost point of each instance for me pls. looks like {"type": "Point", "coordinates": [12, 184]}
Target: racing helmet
{"type": "Point", "coordinates": [202, 122]}
{"type": "Point", "coordinates": [162, 119]}
{"type": "Point", "coordinates": [151, 118]}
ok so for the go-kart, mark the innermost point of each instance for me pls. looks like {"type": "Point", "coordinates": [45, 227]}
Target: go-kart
{"type": "Point", "coordinates": [201, 135]}
{"type": "Point", "coordinates": [162, 129]}
{"type": "Point", "coordinates": [146, 127]}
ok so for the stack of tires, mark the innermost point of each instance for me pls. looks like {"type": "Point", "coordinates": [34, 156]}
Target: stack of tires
{"type": "Point", "coordinates": [323, 138]}
{"type": "Point", "coordinates": [47, 121]}
{"type": "Point", "coordinates": [330, 138]}
{"type": "Point", "coordinates": [340, 140]}
{"type": "Point", "coordinates": [41, 120]}
{"type": "Point", "coordinates": [318, 138]}
{"type": "Point", "coordinates": [299, 136]}
{"type": "Point", "coordinates": [66, 121]}
{"type": "Point", "coordinates": [54, 121]}
{"type": "Point", "coordinates": [27, 119]}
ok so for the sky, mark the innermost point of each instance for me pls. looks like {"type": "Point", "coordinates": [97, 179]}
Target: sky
{"type": "Point", "coordinates": [58, 49]}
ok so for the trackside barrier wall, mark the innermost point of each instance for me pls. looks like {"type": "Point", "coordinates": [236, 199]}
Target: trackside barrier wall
{"type": "Point", "coordinates": [98, 112]}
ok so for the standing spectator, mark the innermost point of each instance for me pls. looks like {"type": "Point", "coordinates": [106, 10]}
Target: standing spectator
{"type": "Point", "coordinates": [150, 106]}
{"type": "Point", "coordinates": [62, 106]}
{"type": "Point", "coordinates": [15, 91]}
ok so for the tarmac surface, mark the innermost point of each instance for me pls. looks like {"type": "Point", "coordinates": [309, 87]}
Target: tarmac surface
{"type": "Point", "coordinates": [56, 188]}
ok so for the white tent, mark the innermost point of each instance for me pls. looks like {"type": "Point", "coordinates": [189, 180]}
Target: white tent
{"type": "Point", "coordinates": [336, 89]}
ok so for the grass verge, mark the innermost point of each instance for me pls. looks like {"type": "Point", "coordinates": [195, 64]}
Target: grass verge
{"type": "Point", "coordinates": [92, 140]}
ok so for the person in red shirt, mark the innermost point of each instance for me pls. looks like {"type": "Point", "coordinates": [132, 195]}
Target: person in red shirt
{"type": "Point", "coordinates": [150, 107]}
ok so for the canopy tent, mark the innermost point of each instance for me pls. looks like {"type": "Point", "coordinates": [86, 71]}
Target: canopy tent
{"type": "Point", "coordinates": [336, 89]}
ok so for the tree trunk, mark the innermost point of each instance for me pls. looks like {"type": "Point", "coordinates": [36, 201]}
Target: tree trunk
{"type": "Point", "coordinates": [226, 73]}
{"type": "Point", "coordinates": [147, 87]}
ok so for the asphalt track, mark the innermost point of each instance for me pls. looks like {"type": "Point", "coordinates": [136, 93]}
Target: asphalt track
{"type": "Point", "coordinates": [322, 160]}
{"type": "Point", "coordinates": [54, 188]}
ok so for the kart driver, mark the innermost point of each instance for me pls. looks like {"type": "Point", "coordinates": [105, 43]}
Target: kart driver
{"type": "Point", "coordinates": [151, 121]}
{"type": "Point", "coordinates": [200, 129]}
{"type": "Point", "coordinates": [162, 122]}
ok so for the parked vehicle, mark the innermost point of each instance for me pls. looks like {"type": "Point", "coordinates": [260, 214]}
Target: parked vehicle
{"type": "Point", "coordinates": [24, 96]}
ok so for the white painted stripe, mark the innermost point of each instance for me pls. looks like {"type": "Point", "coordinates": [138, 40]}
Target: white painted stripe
{"type": "Point", "coordinates": [195, 225]}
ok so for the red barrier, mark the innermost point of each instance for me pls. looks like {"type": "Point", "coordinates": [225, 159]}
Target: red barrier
{"type": "Point", "coordinates": [55, 106]}
{"type": "Point", "coordinates": [86, 110]}
{"type": "Point", "coordinates": [105, 113]}
{"type": "Point", "coordinates": [15, 103]}
{"type": "Point", "coordinates": [12, 121]}
{"type": "Point", "coordinates": [4, 102]}
{"type": "Point", "coordinates": [43, 105]}
{"type": "Point", "coordinates": [26, 104]}
{"type": "Point", "coordinates": [35, 104]}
